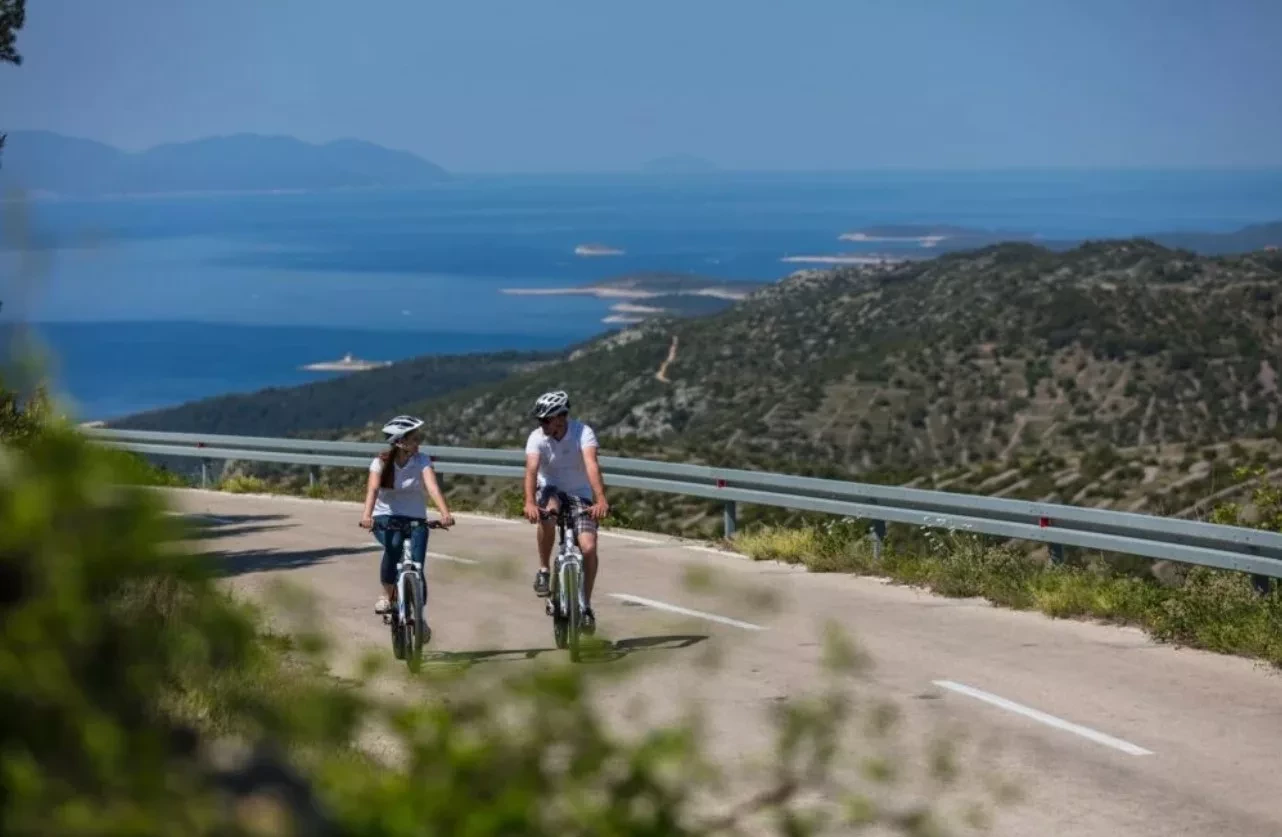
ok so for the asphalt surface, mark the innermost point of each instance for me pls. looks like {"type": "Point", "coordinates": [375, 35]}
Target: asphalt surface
{"type": "Point", "coordinates": [1102, 731]}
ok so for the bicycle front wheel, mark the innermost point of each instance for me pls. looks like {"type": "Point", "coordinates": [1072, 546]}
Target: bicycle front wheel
{"type": "Point", "coordinates": [574, 621]}
{"type": "Point", "coordinates": [412, 627]}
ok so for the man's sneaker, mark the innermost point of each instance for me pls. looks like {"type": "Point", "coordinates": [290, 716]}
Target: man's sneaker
{"type": "Point", "coordinates": [383, 605]}
{"type": "Point", "coordinates": [589, 621]}
{"type": "Point", "coordinates": [541, 583]}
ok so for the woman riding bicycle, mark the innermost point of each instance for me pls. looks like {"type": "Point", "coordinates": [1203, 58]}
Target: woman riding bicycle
{"type": "Point", "coordinates": [400, 481]}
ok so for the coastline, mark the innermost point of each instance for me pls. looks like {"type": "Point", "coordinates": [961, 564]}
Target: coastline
{"type": "Point", "coordinates": [844, 259]}
{"type": "Point", "coordinates": [625, 293]}
{"type": "Point", "coordinates": [922, 240]}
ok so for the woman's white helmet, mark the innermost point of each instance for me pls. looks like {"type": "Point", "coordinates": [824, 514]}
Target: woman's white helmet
{"type": "Point", "coordinates": [551, 404]}
{"type": "Point", "coordinates": [397, 428]}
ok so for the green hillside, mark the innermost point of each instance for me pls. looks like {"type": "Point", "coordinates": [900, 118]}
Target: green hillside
{"type": "Point", "coordinates": [1117, 373]}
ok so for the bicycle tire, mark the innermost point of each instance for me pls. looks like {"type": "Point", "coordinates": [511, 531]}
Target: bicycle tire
{"type": "Point", "coordinates": [413, 635]}
{"type": "Point", "coordinates": [574, 621]}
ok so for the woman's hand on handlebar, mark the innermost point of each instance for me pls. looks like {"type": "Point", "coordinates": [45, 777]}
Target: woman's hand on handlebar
{"type": "Point", "coordinates": [446, 521]}
{"type": "Point", "coordinates": [532, 512]}
{"type": "Point", "coordinates": [366, 522]}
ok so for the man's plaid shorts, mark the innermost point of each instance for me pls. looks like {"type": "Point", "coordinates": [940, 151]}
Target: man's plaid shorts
{"type": "Point", "coordinates": [581, 520]}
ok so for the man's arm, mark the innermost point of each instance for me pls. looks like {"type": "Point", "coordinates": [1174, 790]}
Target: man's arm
{"type": "Point", "coordinates": [531, 474]}
{"type": "Point", "coordinates": [601, 507]}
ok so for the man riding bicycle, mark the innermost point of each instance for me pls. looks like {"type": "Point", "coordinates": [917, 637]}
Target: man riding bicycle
{"type": "Point", "coordinates": [561, 455]}
{"type": "Point", "coordinates": [401, 479]}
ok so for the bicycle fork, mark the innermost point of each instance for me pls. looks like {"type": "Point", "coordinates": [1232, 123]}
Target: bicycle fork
{"type": "Point", "coordinates": [406, 574]}
{"type": "Point", "coordinates": [566, 566]}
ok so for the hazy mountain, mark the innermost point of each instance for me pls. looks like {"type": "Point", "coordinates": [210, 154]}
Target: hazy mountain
{"type": "Point", "coordinates": [42, 161]}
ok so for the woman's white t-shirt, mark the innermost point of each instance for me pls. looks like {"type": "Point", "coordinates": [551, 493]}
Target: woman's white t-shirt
{"type": "Point", "coordinates": [407, 497]}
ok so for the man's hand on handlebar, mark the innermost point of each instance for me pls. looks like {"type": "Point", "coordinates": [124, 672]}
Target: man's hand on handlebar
{"type": "Point", "coordinates": [531, 512]}
{"type": "Point", "coordinates": [599, 509]}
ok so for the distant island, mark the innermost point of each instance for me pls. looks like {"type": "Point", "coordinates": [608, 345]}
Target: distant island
{"type": "Point", "coordinates": [933, 235]}
{"type": "Point", "coordinates": [664, 294]}
{"type": "Point", "coordinates": [346, 364]}
{"type": "Point", "coordinates": [597, 250]}
{"type": "Point", "coordinates": [679, 164]}
{"type": "Point", "coordinates": [43, 162]}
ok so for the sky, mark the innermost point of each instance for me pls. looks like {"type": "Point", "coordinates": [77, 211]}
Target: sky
{"type": "Point", "coordinates": [573, 85]}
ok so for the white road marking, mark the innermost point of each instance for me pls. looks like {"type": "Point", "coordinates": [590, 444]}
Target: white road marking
{"type": "Point", "coordinates": [1049, 720]}
{"type": "Point", "coordinates": [636, 538]}
{"type": "Point", "coordinates": [489, 518]}
{"type": "Point", "coordinates": [725, 620]}
{"type": "Point", "coordinates": [443, 557]}
{"type": "Point", "coordinates": [715, 551]}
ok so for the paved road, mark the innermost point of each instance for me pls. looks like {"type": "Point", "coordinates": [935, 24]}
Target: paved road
{"type": "Point", "coordinates": [1105, 732]}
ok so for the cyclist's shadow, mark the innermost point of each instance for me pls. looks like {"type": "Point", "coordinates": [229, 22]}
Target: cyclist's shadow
{"type": "Point", "coordinates": [594, 650]}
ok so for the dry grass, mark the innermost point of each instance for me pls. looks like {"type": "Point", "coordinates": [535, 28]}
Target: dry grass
{"type": "Point", "coordinates": [1208, 609]}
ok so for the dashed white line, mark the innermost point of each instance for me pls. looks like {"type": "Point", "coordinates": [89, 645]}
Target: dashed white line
{"type": "Point", "coordinates": [440, 556]}
{"type": "Point", "coordinates": [722, 552]}
{"type": "Point", "coordinates": [1049, 720]}
{"type": "Point", "coordinates": [725, 620]}
{"type": "Point", "coordinates": [637, 538]}
{"type": "Point", "coordinates": [488, 518]}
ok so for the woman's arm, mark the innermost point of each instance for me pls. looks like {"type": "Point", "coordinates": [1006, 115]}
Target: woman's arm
{"type": "Point", "coordinates": [433, 489]}
{"type": "Point", "coordinates": [371, 492]}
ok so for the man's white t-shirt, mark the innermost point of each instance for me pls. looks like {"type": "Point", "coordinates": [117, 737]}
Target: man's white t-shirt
{"type": "Point", "coordinates": [406, 498]}
{"type": "Point", "coordinates": [561, 463]}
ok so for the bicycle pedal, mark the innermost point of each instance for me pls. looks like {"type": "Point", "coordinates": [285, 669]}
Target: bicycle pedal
{"type": "Point", "coordinates": [549, 609]}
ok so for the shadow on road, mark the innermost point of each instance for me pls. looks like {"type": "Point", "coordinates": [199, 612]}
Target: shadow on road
{"type": "Point", "coordinates": [242, 562]}
{"type": "Point", "coordinates": [595, 650]}
{"type": "Point", "coordinates": [204, 527]}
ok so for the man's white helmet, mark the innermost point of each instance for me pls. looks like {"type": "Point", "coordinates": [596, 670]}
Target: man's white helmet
{"type": "Point", "coordinates": [551, 404]}
{"type": "Point", "coordinates": [397, 428]}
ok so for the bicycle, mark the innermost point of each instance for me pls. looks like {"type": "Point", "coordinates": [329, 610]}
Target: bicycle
{"type": "Point", "coordinates": [408, 621]}
{"type": "Point", "coordinates": [565, 602]}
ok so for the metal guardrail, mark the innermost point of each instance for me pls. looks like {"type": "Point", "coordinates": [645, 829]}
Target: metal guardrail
{"type": "Point", "coordinates": [1057, 525]}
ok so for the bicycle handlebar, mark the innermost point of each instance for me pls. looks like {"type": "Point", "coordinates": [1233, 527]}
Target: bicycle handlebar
{"type": "Point", "coordinates": [407, 523]}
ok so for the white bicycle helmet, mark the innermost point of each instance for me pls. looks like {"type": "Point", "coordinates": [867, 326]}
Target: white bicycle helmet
{"type": "Point", "coordinates": [551, 404]}
{"type": "Point", "coordinates": [397, 428]}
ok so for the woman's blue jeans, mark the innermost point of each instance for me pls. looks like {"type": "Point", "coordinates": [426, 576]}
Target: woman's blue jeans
{"type": "Point", "coordinates": [392, 541]}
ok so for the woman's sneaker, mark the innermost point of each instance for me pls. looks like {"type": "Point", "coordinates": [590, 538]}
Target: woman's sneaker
{"type": "Point", "coordinates": [541, 579]}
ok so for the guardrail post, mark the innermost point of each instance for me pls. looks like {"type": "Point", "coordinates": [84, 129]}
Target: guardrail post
{"type": "Point", "coordinates": [878, 535]}
{"type": "Point", "coordinates": [1057, 552]}
{"type": "Point", "coordinates": [1261, 584]}
{"type": "Point", "coordinates": [730, 518]}
{"type": "Point", "coordinates": [311, 479]}
{"type": "Point", "coordinates": [204, 473]}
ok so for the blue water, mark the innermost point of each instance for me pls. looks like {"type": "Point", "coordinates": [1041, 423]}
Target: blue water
{"type": "Point", "coordinates": [120, 286]}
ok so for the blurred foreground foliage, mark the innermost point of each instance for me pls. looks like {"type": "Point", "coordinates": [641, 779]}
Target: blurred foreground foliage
{"type": "Point", "coordinates": [137, 697]}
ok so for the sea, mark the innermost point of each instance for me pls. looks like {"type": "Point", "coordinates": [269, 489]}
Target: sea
{"type": "Point", "coordinates": [143, 302]}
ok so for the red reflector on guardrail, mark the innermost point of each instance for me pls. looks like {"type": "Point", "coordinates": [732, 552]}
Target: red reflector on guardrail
{"type": "Point", "coordinates": [1044, 522]}
{"type": "Point", "coordinates": [721, 483]}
